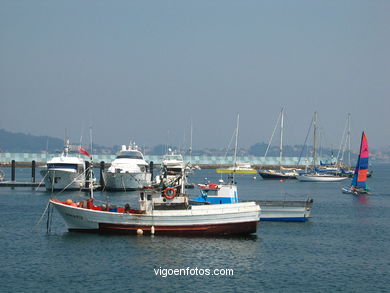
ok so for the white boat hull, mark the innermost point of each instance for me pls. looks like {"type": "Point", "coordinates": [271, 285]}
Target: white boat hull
{"type": "Point", "coordinates": [321, 178]}
{"type": "Point", "coordinates": [62, 179]}
{"type": "Point", "coordinates": [227, 219]}
{"type": "Point", "coordinates": [126, 181]}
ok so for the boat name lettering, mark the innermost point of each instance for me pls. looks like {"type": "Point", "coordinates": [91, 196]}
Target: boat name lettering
{"type": "Point", "coordinates": [74, 216]}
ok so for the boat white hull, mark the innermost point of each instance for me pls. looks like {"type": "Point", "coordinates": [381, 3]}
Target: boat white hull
{"type": "Point", "coordinates": [126, 181]}
{"type": "Point", "coordinates": [313, 178]}
{"type": "Point", "coordinates": [62, 180]}
{"type": "Point", "coordinates": [227, 219]}
{"type": "Point", "coordinates": [289, 211]}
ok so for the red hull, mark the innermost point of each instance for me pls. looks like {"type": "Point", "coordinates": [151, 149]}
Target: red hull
{"type": "Point", "coordinates": [190, 230]}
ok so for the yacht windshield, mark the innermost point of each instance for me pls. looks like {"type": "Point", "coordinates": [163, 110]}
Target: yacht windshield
{"type": "Point", "coordinates": [129, 155]}
{"type": "Point", "coordinates": [174, 157]}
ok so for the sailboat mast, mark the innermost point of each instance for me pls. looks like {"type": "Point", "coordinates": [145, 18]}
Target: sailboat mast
{"type": "Point", "coordinates": [191, 143]}
{"type": "Point", "coordinates": [236, 146]}
{"type": "Point", "coordinates": [281, 140]}
{"type": "Point", "coordinates": [349, 140]}
{"type": "Point", "coordinates": [315, 139]}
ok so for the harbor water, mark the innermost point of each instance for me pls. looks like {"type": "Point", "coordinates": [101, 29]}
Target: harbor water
{"type": "Point", "coordinates": [344, 247]}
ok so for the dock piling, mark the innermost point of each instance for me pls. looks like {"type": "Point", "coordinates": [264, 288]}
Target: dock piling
{"type": "Point", "coordinates": [101, 174]}
{"type": "Point", "coordinates": [13, 166]}
{"type": "Point", "coordinates": [151, 166]}
{"type": "Point", "coordinates": [33, 164]}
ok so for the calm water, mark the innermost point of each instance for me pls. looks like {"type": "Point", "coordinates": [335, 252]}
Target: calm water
{"type": "Point", "coordinates": [345, 247]}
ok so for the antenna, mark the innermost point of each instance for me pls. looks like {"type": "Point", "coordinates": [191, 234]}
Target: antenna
{"type": "Point", "coordinates": [90, 138]}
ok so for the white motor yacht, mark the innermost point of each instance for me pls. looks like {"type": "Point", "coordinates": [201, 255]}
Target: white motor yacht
{"type": "Point", "coordinates": [65, 172]}
{"type": "Point", "coordinates": [128, 171]}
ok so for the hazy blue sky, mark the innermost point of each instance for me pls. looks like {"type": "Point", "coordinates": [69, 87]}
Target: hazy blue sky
{"type": "Point", "coordinates": [141, 70]}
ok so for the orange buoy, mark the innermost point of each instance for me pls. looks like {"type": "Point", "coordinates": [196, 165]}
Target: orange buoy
{"type": "Point", "coordinates": [69, 201]}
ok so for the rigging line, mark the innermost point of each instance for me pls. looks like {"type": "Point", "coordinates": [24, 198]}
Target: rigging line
{"type": "Point", "coordinates": [76, 178]}
{"type": "Point", "coordinates": [231, 140]}
{"type": "Point", "coordinates": [39, 185]}
{"type": "Point", "coordinates": [50, 219]}
{"type": "Point", "coordinates": [40, 219]}
{"type": "Point", "coordinates": [271, 138]}
{"type": "Point", "coordinates": [304, 144]}
{"type": "Point", "coordinates": [123, 183]}
{"type": "Point", "coordinates": [342, 144]}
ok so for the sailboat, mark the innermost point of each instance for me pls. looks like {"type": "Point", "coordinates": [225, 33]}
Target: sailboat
{"type": "Point", "coordinates": [240, 168]}
{"type": "Point", "coordinates": [358, 184]}
{"type": "Point", "coordinates": [282, 173]}
{"type": "Point", "coordinates": [316, 175]}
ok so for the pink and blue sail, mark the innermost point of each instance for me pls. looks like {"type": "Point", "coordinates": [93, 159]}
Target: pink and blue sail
{"type": "Point", "coordinates": [360, 175]}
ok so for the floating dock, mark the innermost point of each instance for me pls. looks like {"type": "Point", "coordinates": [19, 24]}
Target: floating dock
{"type": "Point", "coordinates": [20, 184]}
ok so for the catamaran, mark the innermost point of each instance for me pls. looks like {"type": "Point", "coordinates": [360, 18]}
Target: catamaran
{"type": "Point", "coordinates": [358, 184]}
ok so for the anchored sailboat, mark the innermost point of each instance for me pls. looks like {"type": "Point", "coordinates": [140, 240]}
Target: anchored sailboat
{"type": "Point", "coordinates": [358, 184]}
{"type": "Point", "coordinates": [316, 175]}
{"type": "Point", "coordinates": [241, 168]}
{"type": "Point", "coordinates": [282, 173]}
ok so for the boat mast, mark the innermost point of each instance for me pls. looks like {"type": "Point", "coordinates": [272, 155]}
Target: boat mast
{"type": "Point", "coordinates": [281, 140]}
{"type": "Point", "coordinates": [191, 142]}
{"type": "Point", "coordinates": [349, 140]}
{"type": "Point", "coordinates": [236, 146]}
{"type": "Point", "coordinates": [315, 139]}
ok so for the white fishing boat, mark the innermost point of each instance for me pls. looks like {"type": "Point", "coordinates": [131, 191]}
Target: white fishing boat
{"type": "Point", "coordinates": [165, 211]}
{"type": "Point", "coordinates": [66, 172]}
{"type": "Point", "coordinates": [128, 171]}
{"type": "Point", "coordinates": [271, 210]}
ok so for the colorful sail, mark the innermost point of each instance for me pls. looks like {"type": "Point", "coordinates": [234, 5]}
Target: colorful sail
{"type": "Point", "coordinates": [360, 175]}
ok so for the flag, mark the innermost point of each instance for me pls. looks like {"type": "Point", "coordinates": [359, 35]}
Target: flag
{"type": "Point", "coordinates": [84, 152]}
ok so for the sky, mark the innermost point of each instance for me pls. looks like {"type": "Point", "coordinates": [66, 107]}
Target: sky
{"type": "Point", "coordinates": [144, 71]}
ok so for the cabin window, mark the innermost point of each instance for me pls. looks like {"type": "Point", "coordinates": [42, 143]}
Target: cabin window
{"type": "Point", "coordinates": [130, 155]}
{"type": "Point", "coordinates": [62, 166]}
{"type": "Point", "coordinates": [211, 192]}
